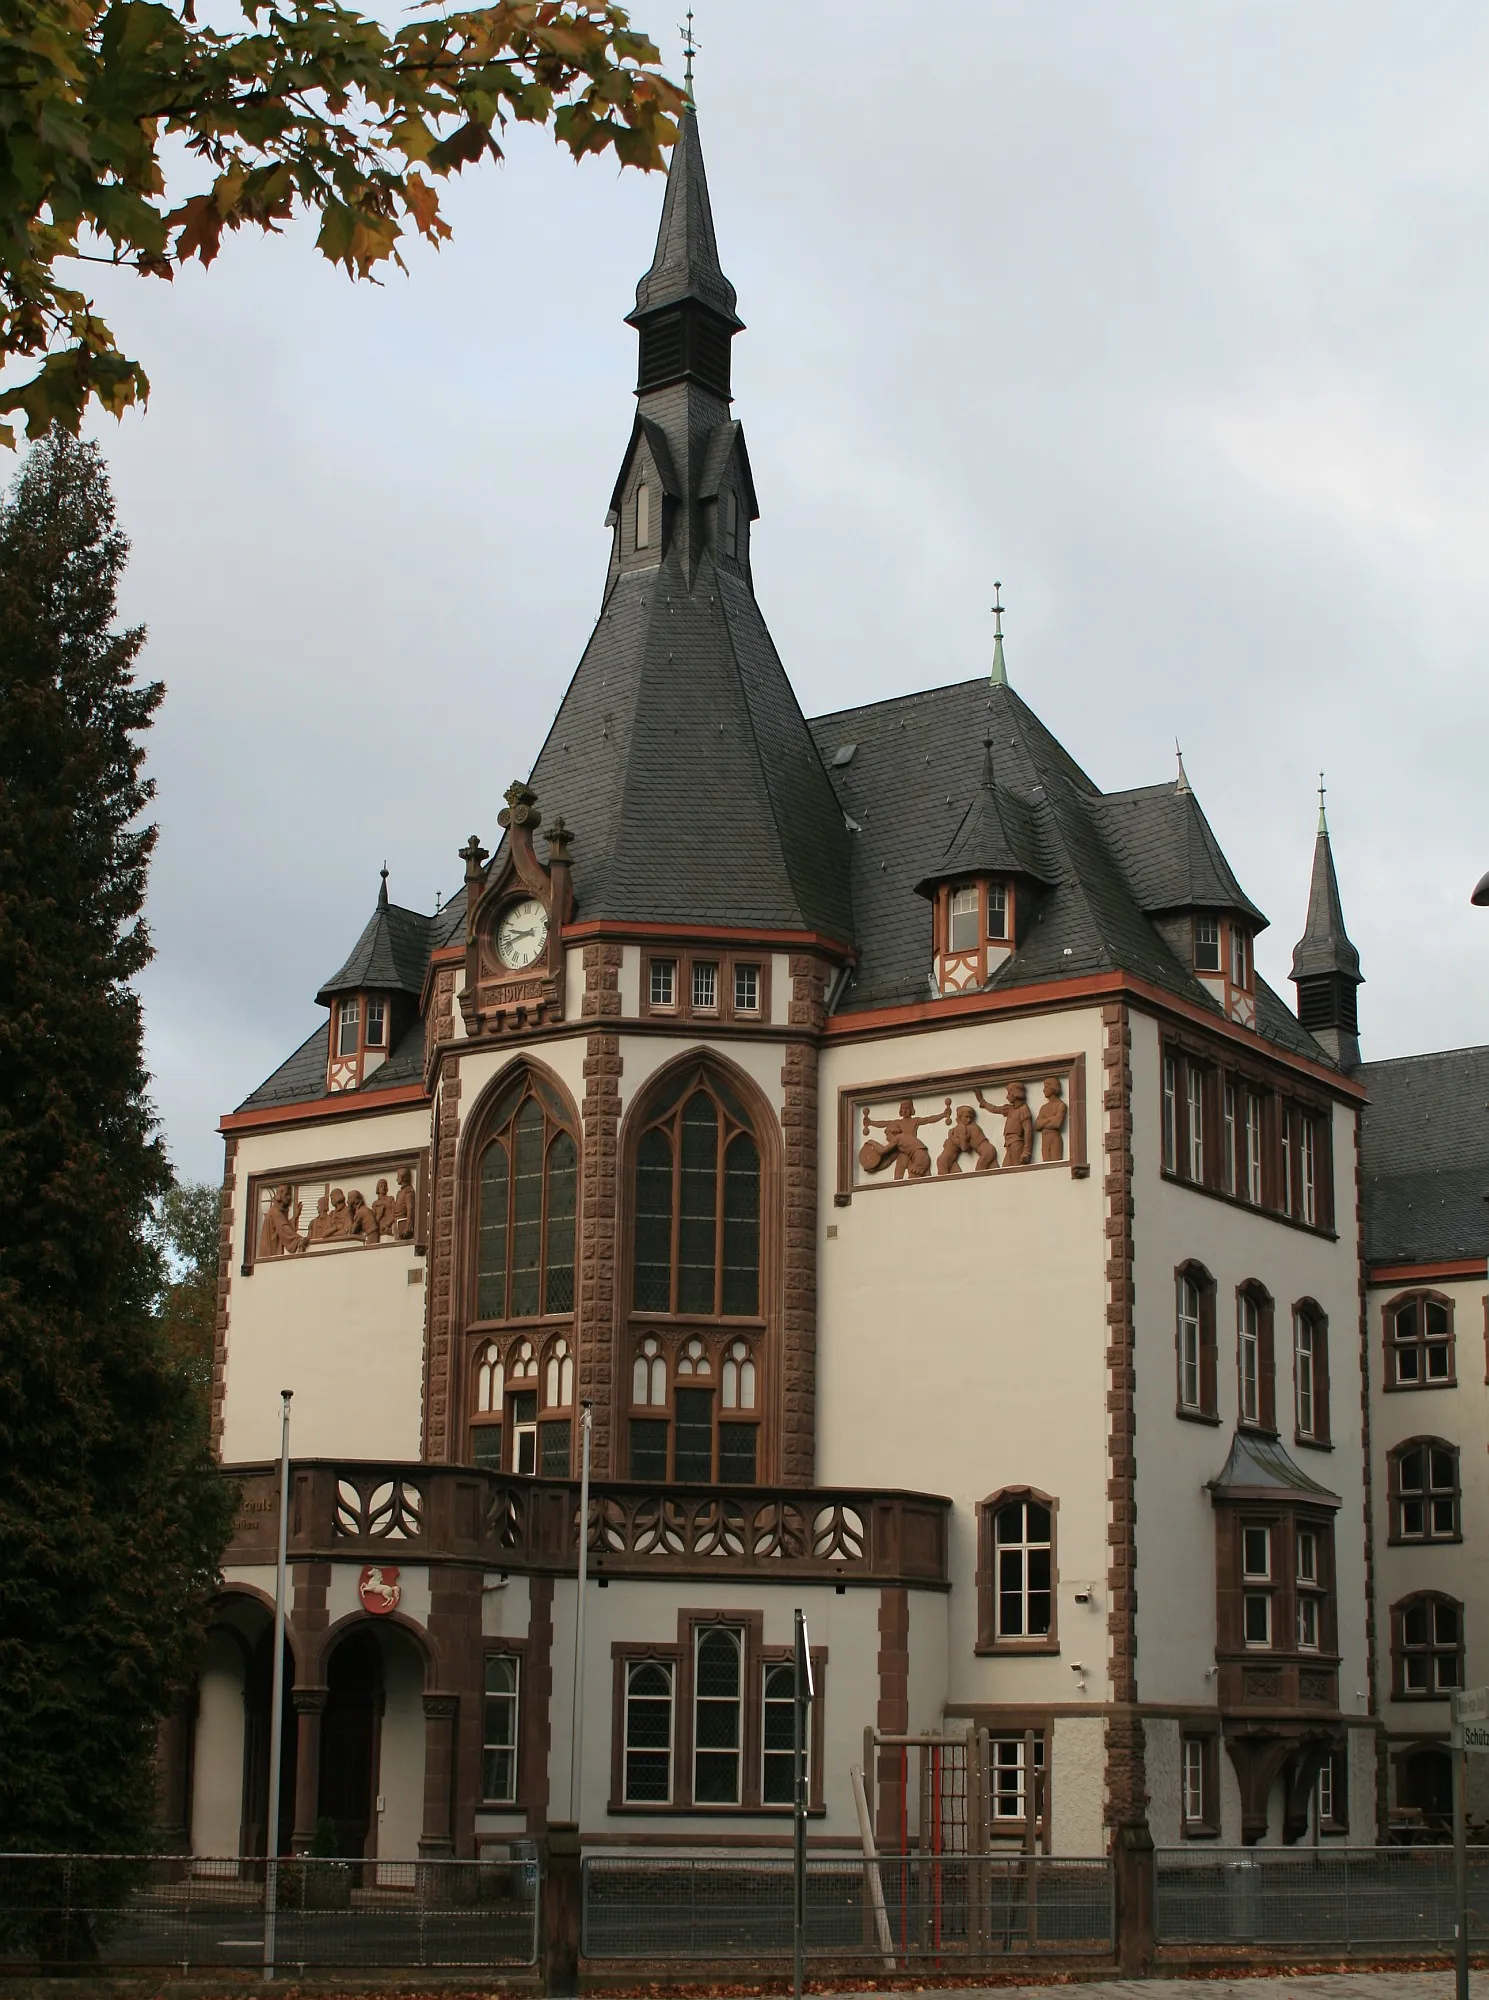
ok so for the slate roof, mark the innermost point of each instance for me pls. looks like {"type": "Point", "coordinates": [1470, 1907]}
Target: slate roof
{"type": "Point", "coordinates": [1424, 1156]}
{"type": "Point", "coordinates": [303, 1077]}
{"type": "Point", "coordinates": [686, 262]}
{"type": "Point", "coordinates": [996, 835]}
{"type": "Point", "coordinates": [1257, 1464]}
{"type": "Point", "coordinates": [1325, 946]}
{"type": "Point", "coordinates": [1169, 853]}
{"type": "Point", "coordinates": [391, 955]}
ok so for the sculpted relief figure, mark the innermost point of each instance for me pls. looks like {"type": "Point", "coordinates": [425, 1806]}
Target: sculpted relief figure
{"type": "Point", "coordinates": [403, 1207]}
{"type": "Point", "coordinates": [330, 1224]}
{"type": "Point", "coordinates": [279, 1235]}
{"type": "Point", "coordinates": [967, 1136]}
{"type": "Point", "coordinates": [1051, 1120]}
{"type": "Point", "coordinates": [383, 1207]}
{"type": "Point", "coordinates": [363, 1224]}
{"type": "Point", "coordinates": [1018, 1125]}
{"type": "Point", "coordinates": [902, 1142]}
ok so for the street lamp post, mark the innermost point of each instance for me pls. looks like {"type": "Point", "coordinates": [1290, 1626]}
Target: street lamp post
{"type": "Point", "coordinates": [276, 1706]}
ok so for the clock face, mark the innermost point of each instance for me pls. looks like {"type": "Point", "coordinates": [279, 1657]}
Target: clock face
{"type": "Point", "coordinates": [522, 934]}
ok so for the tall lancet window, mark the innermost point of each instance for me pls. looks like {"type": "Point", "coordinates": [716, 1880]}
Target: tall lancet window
{"type": "Point", "coordinates": [643, 516]}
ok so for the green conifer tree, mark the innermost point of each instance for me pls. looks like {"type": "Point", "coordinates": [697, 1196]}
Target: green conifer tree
{"type": "Point", "coordinates": [112, 1519]}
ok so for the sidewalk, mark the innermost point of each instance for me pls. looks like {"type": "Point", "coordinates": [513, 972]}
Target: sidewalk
{"type": "Point", "coordinates": [1272, 1986]}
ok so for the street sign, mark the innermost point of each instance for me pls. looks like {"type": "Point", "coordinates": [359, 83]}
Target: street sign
{"type": "Point", "coordinates": [1470, 1730]}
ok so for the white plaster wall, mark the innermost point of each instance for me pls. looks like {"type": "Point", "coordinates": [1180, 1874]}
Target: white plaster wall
{"type": "Point", "coordinates": [930, 1633]}
{"type": "Point", "coordinates": [1162, 1760]}
{"type": "Point", "coordinates": [961, 1338]}
{"type": "Point", "coordinates": [1078, 1785]}
{"type": "Point", "coordinates": [344, 1329]}
{"type": "Point", "coordinates": [217, 1775]}
{"type": "Point", "coordinates": [400, 1777]}
{"type": "Point", "coordinates": [848, 1626]}
{"type": "Point", "coordinates": [630, 981]}
{"type": "Point", "coordinates": [780, 989]}
{"type": "Point", "coordinates": [573, 983]}
{"type": "Point", "coordinates": [1175, 1457]}
{"type": "Point", "coordinates": [1362, 1784]}
{"type": "Point", "coordinates": [506, 1607]}
{"type": "Point", "coordinates": [1459, 1569]}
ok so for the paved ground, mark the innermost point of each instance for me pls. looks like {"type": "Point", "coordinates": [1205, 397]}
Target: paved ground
{"type": "Point", "coordinates": [1316, 1986]}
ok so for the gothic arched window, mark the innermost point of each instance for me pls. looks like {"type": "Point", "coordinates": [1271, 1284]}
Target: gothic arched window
{"type": "Point", "coordinates": [528, 1185]}
{"type": "Point", "coordinates": [697, 1208]}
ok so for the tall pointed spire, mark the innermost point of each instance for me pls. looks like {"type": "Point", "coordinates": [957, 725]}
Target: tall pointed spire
{"type": "Point", "coordinates": [1181, 782]}
{"type": "Point", "coordinates": [685, 269]}
{"type": "Point", "coordinates": [999, 676]}
{"type": "Point", "coordinates": [1326, 966]}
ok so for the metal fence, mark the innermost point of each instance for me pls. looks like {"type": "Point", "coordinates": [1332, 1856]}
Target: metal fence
{"type": "Point", "coordinates": [62, 1913]}
{"type": "Point", "coordinates": [1326, 1896]}
{"type": "Point", "coordinates": [899, 1910]}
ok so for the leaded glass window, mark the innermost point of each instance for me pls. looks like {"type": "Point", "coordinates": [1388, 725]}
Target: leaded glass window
{"type": "Point", "coordinates": [696, 1228]}
{"type": "Point", "coordinates": [527, 1203]}
{"type": "Point", "coordinates": [717, 1716]}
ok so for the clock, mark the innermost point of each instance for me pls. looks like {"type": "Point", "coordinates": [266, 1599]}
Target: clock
{"type": "Point", "coordinates": [522, 934]}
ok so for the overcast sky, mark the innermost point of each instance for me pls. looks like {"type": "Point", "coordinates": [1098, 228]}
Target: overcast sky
{"type": "Point", "coordinates": [1170, 316]}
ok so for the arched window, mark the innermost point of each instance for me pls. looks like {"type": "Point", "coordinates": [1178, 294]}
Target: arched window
{"type": "Point", "coordinates": [1424, 1491]}
{"type": "Point", "coordinates": [1310, 1373]}
{"type": "Point", "coordinates": [487, 1406]}
{"type": "Point", "coordinates": [1426, 1647]}
{"type": "Point", "coordinates": [1419, 1342]}
{"type": "Point", "coordinates": [1016, 1571]}
{"type": "Point", "coordinates": [696, 1237]}
{"type": "Point", "coordinates": [1256, 1365]}
{"type": "Point", "coordinates": [694, 1421]}
{"type": "Point", "coordinates": [528, 1181]}
{"type": "Point", "coordinates": [1194, 1341]}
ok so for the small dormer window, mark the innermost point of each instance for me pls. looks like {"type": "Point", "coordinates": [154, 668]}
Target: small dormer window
{"type": "Point", "coordinates": [377, 1023]}
{"type": "Point", "coordinates": [962, 935]}
{"type": "Point", "coordinates": [729, 520]}
{"type": "Point", "coordinates": [997, 912]}
{"type": "Point", "coordinates": [348, 1020]}
{"type": "Point", "coordinates": [1207, 944]}
{"type": "Point", "coordinates": [1240, 970]}
{"type": "Point", "coordinates": [643, 516]}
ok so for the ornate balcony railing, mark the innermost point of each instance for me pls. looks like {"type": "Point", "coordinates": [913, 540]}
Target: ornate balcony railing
{"type": "Point", "coordinates": [429, 1513]}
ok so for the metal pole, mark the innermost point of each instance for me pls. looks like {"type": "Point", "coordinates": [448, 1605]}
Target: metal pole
{"type": "Point", "coordinates": [799, 1816]}
{"type": "Point", "coordinates": [576, 1729]}
{"type": "Point", "coordinates": [276, 1705]}
{"type": "Point", "coordinates": [1460, 1858]}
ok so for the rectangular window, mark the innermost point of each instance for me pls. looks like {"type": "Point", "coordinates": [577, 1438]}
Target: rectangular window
{"type": "Point", "coordinates": [1189, 1344]}
{"type": "Point", "coordinates": [718, 1715]}
{"type": "Point", "coordinates": [1426, 1493]}
{"type": "Point", "coordinates": [1256, 1609]}
{"type": "Point", "coordinates": [747, 989]}
{"type": "Point", "coordinates": [694, 1411]}
{"type": "Point", "coordinates": [1431, 1641]}
{"type": "Point", "coordinates": [1010, 1797]}
{"type": "Point", "coordinates": [1196, 1790]}
{"type": "Point", "coordinates": [706, 987]}
{"type": "Point", "coordinates": [737, 1453]}
{"type": "Point", "coordinates": [525, 1431]}
{"type": "Point", "coordinates": [962, 931]}
{"type": "Point", "coordinates": [486, 1445]}
{"type": "Point", "coordinates": [1309, 1202]}
{"type": "Point", "coordinates": [1307, 1623]}
{"type": "Point", "coordinates": [499, 1730]}
{"type": "Point", "coordinates": [348, 1020]}
{"type": "Point", "coordinates": [1248, 1343]}
{"type": "Point", "coordinates": [729, 509]}
{"type": "Point", "coordinates": [778, 1736]}
{"type": "Point", "coordinates": [1195, 1090]}
{"type": "Point", "coordinates": [648, 1732]}
{"type": "Point", "coordinates": [1287, 1161]}
{"type": "Point", "coordinates": [1207, 944]}
{"type": "Point", "coordinates": [1170, 1116]}
{"type": "Point", "coordinates": [997, 911]}
{"type": "Point", "coordinates": [377, 1023]}
{"type": "Point", "coordinates": [649, 1448]}
{"type": "Point", "coordinates": [1228, 1138]}
{"type": "Point", "coordinates": [1304, 1334]}
{"type": "Point", "coordinates": [643, 516]}
{"type": "Point", "coordinates": [554, 1452]}
{"type": "Point", "coordinates": [663, 988]}
{"type": "Point", "coordinates": [1256, 1553]}
{"type": "Point", "coordinates": [1326, 1792]}
{"type": "Point", "coordinates": [1238, 965]}
{"type": "Point", "coordinates": [1024, 1539]}
{"type": "Point", "coordinates": [1253, 1189]}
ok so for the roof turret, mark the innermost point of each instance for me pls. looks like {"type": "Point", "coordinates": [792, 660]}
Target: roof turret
{"type": "Point", "coordinates": [390, 956]}
{"type": "Point", "coordinates": [1326, 966]}
{"type": "Point", "coordinates": [997, 836]}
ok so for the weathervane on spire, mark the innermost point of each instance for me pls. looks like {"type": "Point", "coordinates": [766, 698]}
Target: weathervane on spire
{"type": "Point", "coordinates": [999, 676]}
{"type": "Point", "coordinates": [690, 49]}
{"type": "Point", "coordinates": [1323, 822]}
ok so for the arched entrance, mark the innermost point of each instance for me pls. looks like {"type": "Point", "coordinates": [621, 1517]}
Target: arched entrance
{"type": "Point", "coordinates": [229, 1765]}
{"type": "Point", "coordinates": [372, 1743]}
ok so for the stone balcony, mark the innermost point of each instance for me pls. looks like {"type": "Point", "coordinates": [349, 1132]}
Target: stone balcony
{"type": "Point", "coordinates": [360, 1511]}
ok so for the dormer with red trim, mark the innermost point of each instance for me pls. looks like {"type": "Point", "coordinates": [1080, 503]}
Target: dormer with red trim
{"type": "Point", "coordinates": [375, 995]}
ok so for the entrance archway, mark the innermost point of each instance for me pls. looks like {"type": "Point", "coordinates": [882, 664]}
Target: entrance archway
{"type": "Point", "coordinates": [372, 1743]}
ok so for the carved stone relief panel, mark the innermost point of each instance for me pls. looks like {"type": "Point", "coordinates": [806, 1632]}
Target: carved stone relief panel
{"type": "Point", "coordinates": [979, 1122]}
{"type": "Point", "coordinates": [352, 1205]}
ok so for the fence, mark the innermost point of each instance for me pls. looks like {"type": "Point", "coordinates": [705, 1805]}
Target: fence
{"type": "Point", "coordinates": [907, 1908]}
{"type": "Point", "coordinates": [1325, 1896]}
{"type": "Point", "coordinates": [67, 1912]}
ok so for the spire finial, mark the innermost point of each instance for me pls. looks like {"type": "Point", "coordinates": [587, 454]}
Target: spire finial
{"type": "Point", "coordinates": [690, 47]}
{"type": "Point", "coordinates": [1181, 783]}
{"type": "Point", "coordinates": [999, 676]}
{"type": "Point", "coordinates": [1323, 818]}
{"type": "Point", "coordinates": [382, 894]}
